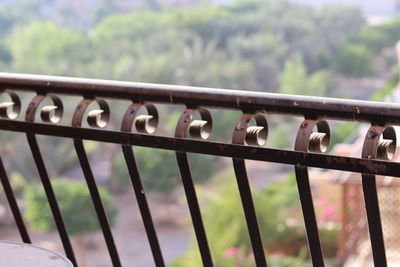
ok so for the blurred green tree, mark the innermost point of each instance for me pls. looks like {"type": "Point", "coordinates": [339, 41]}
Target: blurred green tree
{"type": "Point", "coordinates": [295, 80]}
{"type": "Point", "coordinates": [280, 220]}
{"type": "Point", "coordinates": [45, 48]}
{"type": "Point", "coordinates": [159, 169]}
{"type": "Point", "coordinates": [75, 204]}
{"type": "Point", "coordinates": [355, 60]}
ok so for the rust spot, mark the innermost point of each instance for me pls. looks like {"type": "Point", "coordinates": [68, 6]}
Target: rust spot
{"type": "Point", "coordinates": [221, 147]}
{"type": "Point", "coordinates": [366, 163]}
{"type": "Point", "coordinates": [354, 161]}
{"type": "Point", "coordinates": [329, 160]}
{"type": "Point", "coordinates": [173, 140]}
{"type": "Point", "coordinates": [372, 167]}
{"type": "Point", "coordinates": [253, 150]}
{"type": "Point", "coordinates": [304, 124]}
{"type": "Point", "coordinates": [340, 160]}
{"type": "Point", "coordinates": [381, 167]}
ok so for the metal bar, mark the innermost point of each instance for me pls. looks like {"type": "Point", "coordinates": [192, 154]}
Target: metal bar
{"type": "Point", "coordinates": [95, 195]}
{"type": "Point", "coordinates": [374, 220]}
{"type": "Point", "coordinates": [143, 205]}
{"type": "Point", "coordinates": [304, 188]}
{"type": "Point", "coordinates": [62, 230]}
{"type": "Point", "coordinates": [194, 209]}
{"type": "Point", "coordinates": [370, 150]}
{"type": "Point", "coordinates": [249, 211]}
{"type": "Point", "coordinates": [13, 204]}
{"type": "Point", "coordinates": [351, 164]}
{"type": "Point", "coordinates": [329, 108]}
{"type": "Point", "coordinates": [310, 220]}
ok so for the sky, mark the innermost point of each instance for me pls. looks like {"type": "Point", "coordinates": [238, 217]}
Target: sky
{"type": "Point", "coordinates": [371, 8]}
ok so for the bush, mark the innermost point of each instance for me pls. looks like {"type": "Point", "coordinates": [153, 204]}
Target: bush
{"type": "Point", "coordinates": [75, 204]}
{"type": "Point", "coordinates": [355, 60]}
{"type": "Point", "coordinates": [159, 169]}
{"type": "Point", "coordinates": [280, 221]}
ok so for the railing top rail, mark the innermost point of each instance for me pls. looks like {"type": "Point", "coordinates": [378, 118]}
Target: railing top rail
{"type": "Point", "coordinates": [311, 107]}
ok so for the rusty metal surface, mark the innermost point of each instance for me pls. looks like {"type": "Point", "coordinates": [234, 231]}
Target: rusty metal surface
{"type": "Point", "coordinates": [329, 108]}
{"type": "Point", "coordinates": [380, 142]}
{"type": "Point", "coordinates": [191, 135]}
{"type": "Point", "coordinates": [312, 135]}
{"type": "Point", "coordinates": [126, 126]}
{"type": "Point", "coordinates": [44, 177]}
{"type": "Point", "coordinates": [241, 133]}
{"type": "Point", "coordinates": [96, 118]}
{"type": "Point", "coordinates": [199, 129]}
{"type": "Point", "coordinates": [310, 159]}
{"type": "Point", "coordinates": [19, 221]}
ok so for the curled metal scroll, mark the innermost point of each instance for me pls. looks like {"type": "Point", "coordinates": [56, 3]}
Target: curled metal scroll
{"type": "Point", "coordinates": [257, 136]}
{"type": "Point", "coordinates": [198, 129]}
{"type": "Point", "coordinates": [10, 109]}
{"type": "Point", "coordinates": [6, 113]}
{"type": "Point", "coordinates": [313, 136]}
{"type": "Point", "coordinates": [379, 143]}
{"type": "Point", "coordinates": [144, 124]}
{"type": "Point", "coordinates": [97, 118]}
{"type": "Point", "coordinates": [50, 115]}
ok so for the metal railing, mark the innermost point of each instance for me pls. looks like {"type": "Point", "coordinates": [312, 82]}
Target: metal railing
{"type": "Point", "coordinates": [191, 136]}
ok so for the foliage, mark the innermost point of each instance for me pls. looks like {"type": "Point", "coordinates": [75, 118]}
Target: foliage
{"type": "Point", "coordinates": [387, 89]}
{"type": "Point", "coordinates": [346, 130]}
{"type": "Point", "coordinates": [355, 60]}
{"type": "Point", "coordinates": [342, 132]}
{"type": "Point", "coordinates": [357, 52]}
{"type": "Point", "coordinates": [75, 205]}
{"type": "Point", "coordinates": [243, 44]}
{"type": "Point", "coordinates": [378, 37]}
{"type": "Point", "coordinates": [18, 183]}
{"type": "Point", "coordinates": [280, 221]}
{"type": "Point", "coordinates": [44, 47]}
{"type": "Point", "coordinates": [159, 169]}
{"type": "Point", "coordinates": [295, 80]}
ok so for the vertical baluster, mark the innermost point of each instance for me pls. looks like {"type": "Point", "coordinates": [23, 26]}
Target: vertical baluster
{"type": "Point", "coordinates": [137, 183]}
{"type": "Point", "coordinates": [374, 148]}
{"type": "Point", "coordinates": [5, 112]}
{"type": "Point", "coordinates": [13, 204]}
{"type": "Point", "coordinates": [100, 119]}
{"type": "Point", "coordinates": [37, 156]}
{"type": "Point", "coordinates": [318, 142]}
{"type": "Point", "coordinates": [187, 180]}
{"type": "Point", "coordinates": [239, 165]}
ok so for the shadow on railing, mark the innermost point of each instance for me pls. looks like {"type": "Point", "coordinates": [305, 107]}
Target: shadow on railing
{"type": "Point", "coordinates": [191, 136]}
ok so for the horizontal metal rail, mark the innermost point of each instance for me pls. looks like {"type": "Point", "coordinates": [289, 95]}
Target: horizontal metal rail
{"type": "Point", "coordinates": [137, 129]}
{"type": "Point", "coordinates": [351, 164]}
{"type": "Point", "coordinates": [329, 108]}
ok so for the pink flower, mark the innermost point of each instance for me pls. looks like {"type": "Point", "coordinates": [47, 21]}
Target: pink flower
{"type": "Point", "coordinates": [230, 252]}
{"type": "Point", "coordinates": [329, 212]}
{"type": "Point", "coordinates": [277, 253]}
